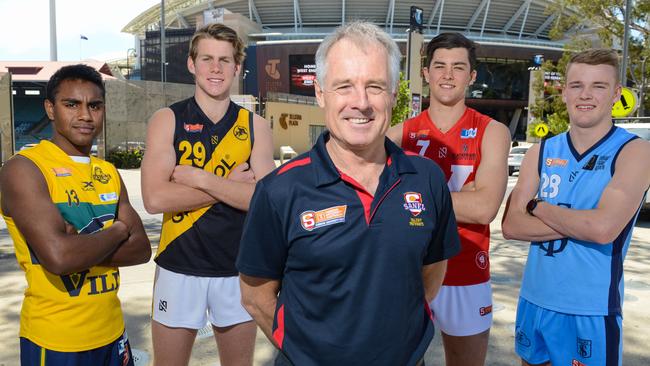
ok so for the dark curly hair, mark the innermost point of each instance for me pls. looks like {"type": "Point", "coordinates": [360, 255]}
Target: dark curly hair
{"type": "Point", "coordinates": [73, 72]}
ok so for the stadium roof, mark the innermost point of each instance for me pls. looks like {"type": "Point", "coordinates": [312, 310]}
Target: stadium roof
{"type": "Point", "coordinates": [500, 21]}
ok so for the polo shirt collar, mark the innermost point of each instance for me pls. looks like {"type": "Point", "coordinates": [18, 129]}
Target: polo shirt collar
{"type": "Point", "coordinates": [326, 172]}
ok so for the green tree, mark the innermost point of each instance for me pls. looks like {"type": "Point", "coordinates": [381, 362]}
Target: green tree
{"type": "Point", "coordinates": [402, 102]}
{"type": "Point", "coordinates": [605, 17]}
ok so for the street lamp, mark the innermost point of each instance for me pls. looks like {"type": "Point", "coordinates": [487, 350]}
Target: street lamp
{"type": "Point", "coordinates": [641, 110]}
{"type": "Point", "coordinates": [130, 52]}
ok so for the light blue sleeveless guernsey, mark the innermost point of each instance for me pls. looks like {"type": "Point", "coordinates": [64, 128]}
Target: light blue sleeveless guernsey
{"type": "Point", "coordinates": [574, 276]}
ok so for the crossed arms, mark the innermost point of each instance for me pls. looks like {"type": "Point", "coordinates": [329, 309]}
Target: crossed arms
{"type": "Point", "coordinates": [56, 244]}
{"type": "Point", "coordinates": [167, 187]}
{"type": "Point", "coordinates": [618, 202]}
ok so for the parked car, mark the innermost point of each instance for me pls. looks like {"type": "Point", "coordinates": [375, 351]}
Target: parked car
{"type": "Point", "coordinates": [640, 129]}
{"type": "Point", "coordinates": [515, 157]}
{"type": "Point", "coordinates": [643, 131]}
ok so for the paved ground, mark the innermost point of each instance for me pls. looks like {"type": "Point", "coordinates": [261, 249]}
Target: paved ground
{"type": "Point", "coordinates": [507, 260]}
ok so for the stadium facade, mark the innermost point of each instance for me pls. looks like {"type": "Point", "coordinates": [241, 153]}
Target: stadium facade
{"type": "Point", "coordinates": [282, 37]}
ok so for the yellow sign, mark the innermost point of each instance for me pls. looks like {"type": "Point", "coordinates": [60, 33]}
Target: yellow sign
{"type": "Point", "coordinates": [626, 105]}
{"type": "Point", "coordinates": [541, 130]}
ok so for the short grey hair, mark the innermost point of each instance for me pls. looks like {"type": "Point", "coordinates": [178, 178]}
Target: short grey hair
{"type": "Point", "coordinates": [362, 34]}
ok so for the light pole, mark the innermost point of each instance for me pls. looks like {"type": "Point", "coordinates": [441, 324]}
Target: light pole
{"type": "Point", "coordinates": [641, 110]}
{"type": "Point", "coordinates": [163, 57]}
{"type": "Point", "coordinates": [130, 52]}
{"type": "Point", "coordinates": [626, 41]}
{"type": "Point", "coordinates": [53, 54]}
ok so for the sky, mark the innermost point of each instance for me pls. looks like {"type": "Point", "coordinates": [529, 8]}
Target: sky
{"type": "Point", "coordinates": [25, 29]}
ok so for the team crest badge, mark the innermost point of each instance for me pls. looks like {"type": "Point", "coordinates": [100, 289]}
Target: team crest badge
{"type": "Point", "coordinates": [584, 347]}
{"type": "Point", "coordinates": [100, 176]}
{"type": "Point", "coordinates": [413, 203]}
{"type": "Point", "coordinates": [240, 132]}
{"type": "Point", "coordinates": [482, 259]}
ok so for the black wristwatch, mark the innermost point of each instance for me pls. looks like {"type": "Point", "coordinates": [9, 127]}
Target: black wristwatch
{"type": "Point", "coordinates": [532, 204]}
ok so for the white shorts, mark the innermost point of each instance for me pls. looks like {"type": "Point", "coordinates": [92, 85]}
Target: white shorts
{"type": "Point", "coordinates": [463, 310]}
{"type": "Point", "coordinates": [181, 301]}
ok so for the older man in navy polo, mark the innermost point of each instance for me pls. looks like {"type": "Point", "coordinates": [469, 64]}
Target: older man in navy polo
{"type": "Point", "coordinates": [345, 245]}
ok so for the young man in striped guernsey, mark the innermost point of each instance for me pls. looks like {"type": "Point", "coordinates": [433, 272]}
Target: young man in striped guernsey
{"type": "Point", "coordinates": [69, 216]}
{"type": "Point", "coordinates": [196, 171]}
{"type": "Point", "coordinates": [576, 200]}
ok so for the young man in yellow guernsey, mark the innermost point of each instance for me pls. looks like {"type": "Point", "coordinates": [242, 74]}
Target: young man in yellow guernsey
{"type": "Point", "coordinates": [203, 157]}
{"type": "Point", "coordinates": [72, 225]}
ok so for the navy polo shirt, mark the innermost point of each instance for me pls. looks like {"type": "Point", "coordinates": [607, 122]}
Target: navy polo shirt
{"type": "Point", "coordinates": [350, 264]}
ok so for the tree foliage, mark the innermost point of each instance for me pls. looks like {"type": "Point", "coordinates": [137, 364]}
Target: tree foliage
{"type": "Point", "coordinates": [549, 107]}
{"type": "Point", "coordinates": [402, 102]}
{"type": "Point", "coordinates": [605, 17]}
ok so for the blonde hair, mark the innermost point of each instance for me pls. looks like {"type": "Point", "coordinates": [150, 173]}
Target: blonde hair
{"type": "Point", "coordinates": [219, 32]}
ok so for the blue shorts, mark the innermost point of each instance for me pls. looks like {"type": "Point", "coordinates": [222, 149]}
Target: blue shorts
{"type": "Point", "coordinates": [564, 339]}
{"type": "Point", "coordinates": [116, 353]}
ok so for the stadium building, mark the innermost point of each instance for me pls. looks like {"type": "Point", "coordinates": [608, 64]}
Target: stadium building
{"type": "Point", "coordinates": [282, 37]}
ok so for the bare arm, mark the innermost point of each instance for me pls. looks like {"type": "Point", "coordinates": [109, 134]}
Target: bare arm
{"type": "Point", "coordinates": [159, 193]}
{"type": "Point", "coordinates": [136, 249]}
{"type": "Point", "coordinates": [618, 203]}
{"type": "Point", "coordinates": [262, 155]}
{"type": "Point", "coordinates": [395, 133]}
{"type": "Point", "coordinates": [480, 204]}
{"type": "Point", "coordinates": [517, 223]}
{"type": "Point", "coordinates": [260, 297]}
{"type": "Point", "coordinates": [238, 189]}
{"type": "Point", "coordinates": [432, 277]}
{"type": "Point", "coordinates": [26, 198]}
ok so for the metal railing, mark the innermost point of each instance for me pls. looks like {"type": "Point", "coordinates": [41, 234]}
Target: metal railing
{"type": "Point", "coordinates": [632, 120]}
{"type": "Point", "coordinates": [290, 98]}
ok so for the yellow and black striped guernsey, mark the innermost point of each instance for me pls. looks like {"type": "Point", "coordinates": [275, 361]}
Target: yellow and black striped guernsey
{"type": "Point", "coordinates": [204, 242]}
{"type": "Point", "coordinates": [79, 311]}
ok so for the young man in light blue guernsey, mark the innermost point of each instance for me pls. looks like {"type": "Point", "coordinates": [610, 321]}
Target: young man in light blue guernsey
{"type": "Point", "coordinates": [576, 200]}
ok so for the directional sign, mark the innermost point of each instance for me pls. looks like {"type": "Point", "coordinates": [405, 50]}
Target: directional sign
{"type": "Point", "coordinates": [541, 130]}
{"type": "Point", "coordinates": [627, 104]}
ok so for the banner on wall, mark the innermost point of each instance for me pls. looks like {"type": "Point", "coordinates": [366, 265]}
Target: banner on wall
{"type": "Point", "coordinates": [303, 74]}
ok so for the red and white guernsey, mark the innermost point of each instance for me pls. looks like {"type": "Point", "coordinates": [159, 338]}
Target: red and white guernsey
{"type": "Point", "coordinates": [458, 152]}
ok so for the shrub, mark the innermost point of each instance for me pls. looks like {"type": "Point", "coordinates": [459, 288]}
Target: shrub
{"type": "Point", "coordinates": [125, 159]}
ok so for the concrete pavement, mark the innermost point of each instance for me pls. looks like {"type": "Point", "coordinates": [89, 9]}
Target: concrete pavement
{"type": "Point", "coordinates": [507, 260]}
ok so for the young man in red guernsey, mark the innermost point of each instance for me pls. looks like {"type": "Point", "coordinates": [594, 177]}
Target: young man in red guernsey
{"type": "Point", "coordinates": [472, 150]}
